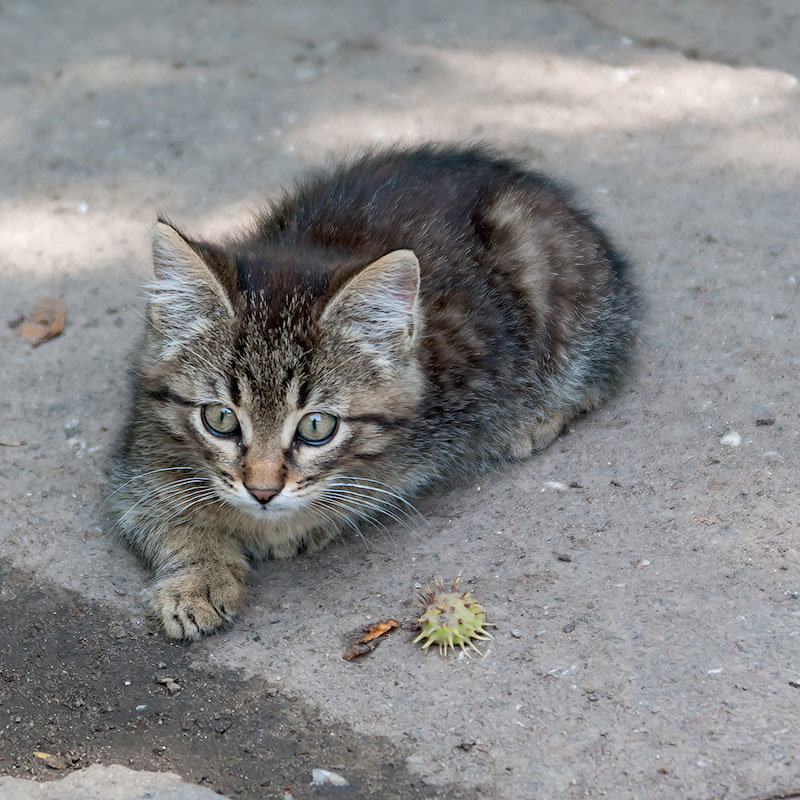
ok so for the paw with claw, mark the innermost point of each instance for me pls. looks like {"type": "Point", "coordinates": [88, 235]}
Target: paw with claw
{"type": "Point", "coordinates": [191, 603]}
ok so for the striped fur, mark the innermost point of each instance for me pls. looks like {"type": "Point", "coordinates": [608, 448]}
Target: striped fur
{"type": "Point", "coordinates": [451, 309]}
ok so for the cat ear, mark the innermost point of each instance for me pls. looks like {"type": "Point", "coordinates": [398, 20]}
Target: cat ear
{"type": "Point", "coordinates": [185, 294]}
{"type": "Point", "coordinates": [380, 305]}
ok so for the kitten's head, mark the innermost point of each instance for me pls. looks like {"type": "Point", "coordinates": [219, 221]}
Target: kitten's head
{"type": "Point", "coordinates": [284, 380]}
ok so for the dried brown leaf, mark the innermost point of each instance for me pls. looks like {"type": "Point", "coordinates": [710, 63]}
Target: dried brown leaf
{"type": "Point", "coordinates": [359, 649]}
{"type": "Point", "coordinates": [54, 762]}
{"type": "Point", "coordinates": [46, 320]}
{"type": "Point", "coordinates": [378, 629]}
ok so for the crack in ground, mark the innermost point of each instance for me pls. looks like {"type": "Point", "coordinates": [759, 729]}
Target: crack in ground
{"type": "Point", "coordinates": [654, 42]}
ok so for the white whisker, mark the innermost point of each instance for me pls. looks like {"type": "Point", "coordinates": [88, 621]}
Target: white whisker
{"type": "Point", "coordinates": [144, 475]}
{"type": "Point", "coordinates": [383, 488]}
{"type": "Point", "coordinates": [416, 516]}
{"type": "Point", "coordinates": [346, 520]}
{"type": "Point", "coordinates": [162, 488]}
{"type": "Point", "coordinates": [367, 501]}
{"type": "Point", "coordinates": [353, 508]}
{"type": "Point", "coordinates": [209, 502]}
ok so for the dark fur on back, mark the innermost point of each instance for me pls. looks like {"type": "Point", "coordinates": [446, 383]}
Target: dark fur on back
{"type": "Point", "coordinates": [448, 307]}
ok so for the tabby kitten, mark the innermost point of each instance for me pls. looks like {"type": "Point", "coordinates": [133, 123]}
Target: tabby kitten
{"type": "Point", "coordinates": [400, 319]}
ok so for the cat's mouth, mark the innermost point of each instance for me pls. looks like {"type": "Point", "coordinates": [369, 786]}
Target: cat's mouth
{"type": "Point", "coordinates": [279, 505]}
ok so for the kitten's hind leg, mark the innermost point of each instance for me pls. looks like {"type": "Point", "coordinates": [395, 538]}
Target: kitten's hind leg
{"type": "Point", "coordinates": [538, 437]}
{"type": "Point", "coordinates": [521, 447]}
{"type": "Point", "coordinates": [545, 434]}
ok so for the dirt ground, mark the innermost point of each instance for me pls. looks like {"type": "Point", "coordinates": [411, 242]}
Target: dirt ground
{"type": "Point", "coordinates": [643, 573]}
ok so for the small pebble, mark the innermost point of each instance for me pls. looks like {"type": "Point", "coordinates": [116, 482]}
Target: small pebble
{"type": "Point", "coordinates": [556, 486]}
{"type": "Point", "coordinates": [569, 627]}
{"type": "Point", "coordinates": [322, 776]}
{"type": "Point", "coordinates": [731, 438]}
{"type": "Point", "coordinates": [516, 633]}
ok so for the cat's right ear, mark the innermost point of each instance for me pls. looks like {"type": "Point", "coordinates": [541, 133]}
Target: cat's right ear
{"type": "Point", "coordinates": [185, 294]}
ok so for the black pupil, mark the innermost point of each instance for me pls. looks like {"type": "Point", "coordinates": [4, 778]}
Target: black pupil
{"type": "Point", "coordinates": [315, 428]}
{"type": "Point", "coordinates": [223, 416]}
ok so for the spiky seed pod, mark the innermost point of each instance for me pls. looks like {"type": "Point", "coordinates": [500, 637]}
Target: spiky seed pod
{"type": "Point", "coordinates": [450, 618]}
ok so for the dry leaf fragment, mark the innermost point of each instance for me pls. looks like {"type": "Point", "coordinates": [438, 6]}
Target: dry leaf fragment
{"type": "Point", "coordinates": [171, 684]}
{"type": "Point", "coordinates": [359, 649]}
{"type": "Point", "coordinates": [370, 640]}
{"type": "Point", "coordinates": [378, 629]}
{"type": "Point", "coordinates": [54, 762]}
{"type": "Point", "coordinates": [46, 321]}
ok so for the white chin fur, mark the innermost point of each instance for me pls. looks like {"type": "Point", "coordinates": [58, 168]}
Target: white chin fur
{"type": "Point", "coordinates": [279, 507]}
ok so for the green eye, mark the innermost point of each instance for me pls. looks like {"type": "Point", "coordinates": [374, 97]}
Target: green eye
{"type": "Point", "coordinates": [220, 420]}
{"type": "Point", "coordinates": [316, 428]}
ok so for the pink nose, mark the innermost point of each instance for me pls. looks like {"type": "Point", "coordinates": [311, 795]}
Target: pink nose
{"type": "Point", "coordinates": [263, 495]}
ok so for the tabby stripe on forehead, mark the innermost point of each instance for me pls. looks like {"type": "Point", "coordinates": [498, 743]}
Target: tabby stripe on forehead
{"type": "Point", "coordinates": [165, 395]}
{"type": "Point", "coordinates": [302, 394]}
{"type": "Point", "coordinates": [234, 390]}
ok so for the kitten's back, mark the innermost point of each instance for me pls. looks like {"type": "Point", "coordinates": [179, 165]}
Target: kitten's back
{"type": "Point", "coordinates": [528, 309]}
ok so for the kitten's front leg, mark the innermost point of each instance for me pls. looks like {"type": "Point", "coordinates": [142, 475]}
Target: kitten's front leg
{"type": "Point", "coordinates": [199, 585]}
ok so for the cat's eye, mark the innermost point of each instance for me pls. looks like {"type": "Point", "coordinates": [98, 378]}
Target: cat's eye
{"type": "Point", "coordinates": [220, 420]}
{"type": "Point", "coordinates": [316, 428]}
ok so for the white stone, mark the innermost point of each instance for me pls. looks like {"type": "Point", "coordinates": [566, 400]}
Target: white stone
{"type": "Point", "coordinates": [731, 439]}
{"type": "Point", "coordinates": [322, 776]}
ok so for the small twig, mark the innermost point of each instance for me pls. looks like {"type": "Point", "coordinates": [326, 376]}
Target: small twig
{"type": "Point", "coordinates": [12, 444]}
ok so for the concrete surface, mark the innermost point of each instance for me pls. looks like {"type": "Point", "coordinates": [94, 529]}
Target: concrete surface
{"type": "Point", "coordinates": [663, 659]}
{"type": "Point", "coordinates": [107, 783]}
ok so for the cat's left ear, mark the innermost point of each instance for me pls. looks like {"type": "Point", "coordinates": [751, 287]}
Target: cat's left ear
{"type": "Point", "coordinates": [186, 293]}
{"type": "Point", "coordinates": [380, 305]}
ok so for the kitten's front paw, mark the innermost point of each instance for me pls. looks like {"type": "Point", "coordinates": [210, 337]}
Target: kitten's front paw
{"type": "Point", "coordinates": [193, 603]}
